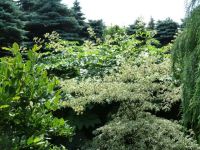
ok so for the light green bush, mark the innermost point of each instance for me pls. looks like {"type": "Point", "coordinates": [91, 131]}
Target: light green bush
{"type": "Point", "coordinates": [142, 79]}
{"type": "Point", "coordinates": [142, 133]}
{"type": "Point", "coordinates": [141, 87]}
{"type": "Point", "coordinates": [68, 59]}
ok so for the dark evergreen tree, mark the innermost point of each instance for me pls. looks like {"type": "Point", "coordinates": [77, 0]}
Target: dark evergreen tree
{"type": "Point", "coordinates": [78, 14]}
{"type": "Point", "coordinates": [114, 30]}
{"type": "Point", "coordinates": [11, 25]}
{"type": "Point", "coordinates": [98, 27]}
{"type": "Point", "coordinates": [27, 5]}
{"type": "Point", "coordinates": [139, 30]}
{"type": "Point", "coordinates": [49, 15]}
{"type": "Point", "coordinates": [151, 24]}
{"type": "Point", "coordinates": [138, 26]}
{"type": "Point", "coordinates": [81, 20]}
{"type": "Point", "coordinates": [166, 30]}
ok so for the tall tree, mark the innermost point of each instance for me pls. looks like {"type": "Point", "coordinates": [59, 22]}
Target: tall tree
{"type": "Point", "coordinates": [186, 62]}
{"type": "Point", "coordinates": [98, 27]}
{"type": "Point", "coordinates": [82, 31]}
{"type": "Point", "coordinates": [166, 30]}
{"type": "Point", "coordinates": [78, 14]}
{"type": "Point", "coordinates": [139, 25]}
{"type": "Point", "coordinates": [151, 24]}
{"type": "Point", "coordinates": [139, 30]}
{"type": "Point", "coordinates": [47, 16]}
{"type": "Point", "coordinates": [11, 25]}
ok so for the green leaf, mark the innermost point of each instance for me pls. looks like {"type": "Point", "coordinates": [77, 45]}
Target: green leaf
{"type": "Point", "coordinates": [16, 98]}
{"type": "Point", "coordinates": [36, 47]}
{"type": "Point", "coordinates": [30, 140]}
{"type": "Point", "coordinates": [6, 48]}
{"type": "Point", "coordinates": [15, 47]}
{"type": "Point", "coordinates": [4, 106]}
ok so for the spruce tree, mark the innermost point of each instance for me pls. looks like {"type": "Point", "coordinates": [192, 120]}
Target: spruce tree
{"type": "Point", "coordinates": [27, 5]}
{"type": "Point", "coordinates": [166, 30]}
{"type": "Point", "coordinates": [11, 25]}
{"type": "Point", "coordinates": [139, 25]}
{"type": "Point", "coordinates": [151, 24]}
{"type": "Point", "coordinates": [49, 15]}
{"type": "Point", "coordinates": [98, 27]}
{"type": "Point", "coordinates": [139, 30]}
{"type": "Point", "coordinates": [78, 14]}
{"type": "Point", "coordinates": [82, 31]}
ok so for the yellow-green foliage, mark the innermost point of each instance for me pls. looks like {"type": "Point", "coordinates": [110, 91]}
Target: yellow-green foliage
{"type": "Point", "coordinates": [68, 59]}
{"type": "Point", "coordinates": [140, 86]}
{"type": "Point", "coordinates": [146, 132]}
{"type": "Point", "coordinates": [143, 79]}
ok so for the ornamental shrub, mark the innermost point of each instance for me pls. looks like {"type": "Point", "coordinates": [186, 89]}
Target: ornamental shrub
{"type": "Point", "coordinates": [27, 100]}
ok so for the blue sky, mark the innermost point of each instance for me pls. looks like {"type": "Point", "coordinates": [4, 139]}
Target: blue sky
{"type": "Point", "coordinates": [124, 12]}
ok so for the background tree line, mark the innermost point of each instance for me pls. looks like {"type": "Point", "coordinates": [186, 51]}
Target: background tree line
{"type": "Point", "coordinates": [22, 20]}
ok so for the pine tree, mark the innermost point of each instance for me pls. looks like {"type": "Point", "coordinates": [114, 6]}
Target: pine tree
{"type": "Point", "coordinates": [78, 14]}
{"type": "Point", "coordinates": [98, 27]}
{"type": "Point", "coordinates": [49, 15]}
{"type": "Point", "coordinates": [27, 5]}
{"type": "Point", "coordinates": [151, 24]}
{"type": "Point", "coordinates": [166, 30]}
{"type": "Point", "coordinates": [81, 20]}
{"type": "Point", "coordinates": [139, 30]}
{"type": "Point", "coordinates": [11, 25]}
{"type": "Point", "coordinates": [139, 25]}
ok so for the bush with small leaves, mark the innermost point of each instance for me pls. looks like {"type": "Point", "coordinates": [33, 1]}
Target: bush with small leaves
{"type": "Point", "coordinates": [142, 88]}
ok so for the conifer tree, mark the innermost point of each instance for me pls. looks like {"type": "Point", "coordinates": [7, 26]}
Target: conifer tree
{"type": "Point", "coordinates": [166, 30]}
{"type": "Point", "coordinates": [98, 27]}
{"type": "Point", "coordinates": [138, 29]}
{"type": "Point", "coordinates": [27, 5]}
{"type": "Point", "coordinates": [82, 31]}
{"type": "Point", "coordinates": [78, 14]}
{"type": "Point", "coordinates": [49, 15]}
{"type": "Point", "coordinates": [11, 25]}
{"type": "Point", "coordinates": [139, 25]}
{"type": "Point", "coordinates": [151, 24]}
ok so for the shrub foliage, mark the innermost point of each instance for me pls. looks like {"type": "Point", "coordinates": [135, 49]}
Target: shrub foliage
{"type": "Point", "coordinates": [27, 101]}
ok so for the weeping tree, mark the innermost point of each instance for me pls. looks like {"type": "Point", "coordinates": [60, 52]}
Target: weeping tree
{"type": "Point", "coordinates": [186, 66]}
